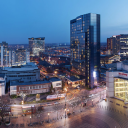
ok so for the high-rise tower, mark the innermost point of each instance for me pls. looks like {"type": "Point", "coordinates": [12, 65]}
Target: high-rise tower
{"type": "Point", "coordinates": [85, 47]}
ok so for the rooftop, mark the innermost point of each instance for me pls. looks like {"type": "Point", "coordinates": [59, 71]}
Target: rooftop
{"type": "Point", "coordinates": [39, 38]}
{"type": "Point", "coordinates": [73, 78]}
{"type": "Point", "coordinates": [14, 83]}
{"type": "Point", "coordinates": [53, 79]}
{"type": "Point", "coordinates": [27, 66]}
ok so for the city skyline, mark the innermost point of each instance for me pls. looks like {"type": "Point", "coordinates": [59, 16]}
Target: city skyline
{"type": "Point", "coordinates": [20, 20]}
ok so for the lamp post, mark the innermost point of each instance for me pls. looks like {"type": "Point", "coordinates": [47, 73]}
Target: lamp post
{"type": "Point", "coordinates": [39, 118]}
{"type": "Point", "coordinates": [9, 116]}
{"type": "Point", "coordinates": [30, 119]}
{"type": "Point", "coordinates": [92, 102]}
{"type": "Point", "coordinates": [100, 94]}
{"type": "Point", "coordinates": [65, 112]}
{"type": "Point", "coordinates": [48, 116]}
{"type": "Point", "coordinates": [65, 101]}
{"type": "Point", "coordinates": [22, 102]}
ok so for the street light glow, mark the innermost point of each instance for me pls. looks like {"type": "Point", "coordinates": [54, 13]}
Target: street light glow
{"type": "Point", "coordinates": [66, 89]}
{"type": "Point", "coordinates": [94, 74]}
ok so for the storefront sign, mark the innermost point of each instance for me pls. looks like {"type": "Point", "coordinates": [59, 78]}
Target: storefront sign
{"type": "Point", "coordinates": [123, 74]}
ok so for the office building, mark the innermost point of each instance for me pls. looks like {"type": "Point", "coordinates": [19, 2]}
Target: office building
{"type": "Point", "coordinates": [23, 73]}
{"type": "Point", "coordinates": [113, 44]}
{"type": "Point", "coordinates": [4, 54]}
{"type": "Point", "coordinates": [2, 84]}
{"type": "Point", "coordinates": [19, 57]}
{"type": "Point", "coordinates": [109, 45]}
{"type": "Point", "coordinates": [22, 56]}
{"type": "Point", "coordinates": [118, 45]}
{"type": "Point", "coordinates": [124, 46]}
{"type": "Point", "coordinates": [11, 58]}
{"type": "Point", "coordinates": [34, 87]}
{"type": "Point", "coordinates": [117, 81]}
{"type": "Point", "coordinates": [36, 45]}
{"type": "Point", "coordinates": [85, 47]}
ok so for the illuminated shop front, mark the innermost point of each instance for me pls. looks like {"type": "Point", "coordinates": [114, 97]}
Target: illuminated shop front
{"type": "Point", "coordinates": [121, 88]}
{"type": "Point", "coordinates": [117, 82]}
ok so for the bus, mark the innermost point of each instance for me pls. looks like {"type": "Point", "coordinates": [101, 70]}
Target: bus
{"type": "Point", "coordinates": [28, 110]}
{"type": "Point", "coordinates": [55, 97]}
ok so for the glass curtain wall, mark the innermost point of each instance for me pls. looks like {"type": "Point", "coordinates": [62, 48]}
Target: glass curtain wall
{"type": "Point", "coordinates": [121, 88]}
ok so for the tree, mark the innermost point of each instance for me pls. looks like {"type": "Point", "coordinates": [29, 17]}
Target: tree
{"type": "Point", "coordinates": [23, 95]}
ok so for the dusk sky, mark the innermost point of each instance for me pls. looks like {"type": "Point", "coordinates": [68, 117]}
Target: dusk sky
{"type": "Point", "coordinates": [22, 19]}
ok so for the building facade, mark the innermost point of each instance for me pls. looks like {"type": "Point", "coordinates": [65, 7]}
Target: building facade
{"type": "Point", "coordinates": [117, 81]}
{"type": "Point", "coordinates": [113, 44]}
{"type": "Point", "coordinates": [85, 46]}
{"type": "Point", "coordinates": [118, 45]}
{"type": "Point", "coordinates": [109, 45]}
{"type": "Point", "coordinates": [56, 82]}
{"type": "Point", "coordinates": [25, 73]}
{"type": "Point", "coordinates": [29, 87]}
{"type": "Point", "coordinates": [18, 57]}
{"type": "Point", "coordinates": [36, 45]}
{"type": "Point", "coordinates": [124, 46]}
{"type": "Point", "coordinates": [2, 84]}
{"type": "Point", "coordinates": [4, 54]}
{"type": "Point", "coordinates": [22, 56]}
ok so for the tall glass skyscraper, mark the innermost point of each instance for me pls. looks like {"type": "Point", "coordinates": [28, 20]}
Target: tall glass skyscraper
{"type": "Point", "coordinates": [85, 47]}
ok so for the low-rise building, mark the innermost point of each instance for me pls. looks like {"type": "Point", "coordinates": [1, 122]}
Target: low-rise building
{"type": "Point", "coordinates": [56, 82]}
{"type": "Point", "coordinates": [26, 73]}
{"type": "Point", "coordinates": [75, 81]}
{"type": "Point", "coordinates": [29, 87]}
{"type": "Point", "coordinates": [117, 81]}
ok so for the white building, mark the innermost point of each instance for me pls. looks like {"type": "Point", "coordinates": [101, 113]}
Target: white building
{"type": "Point", "coordinates": [2, 84]}
{"type": "Point", "coordinates": [29, 87]}
{"type": "Point", "coordinates": [4, 54]}
{"type": "Point", "coordinates": [25, 73]}
{"type": "Point", "coordinates": [117, 81]}
{"type": "Point", "coordinates": [19, 57]}
{"type": "Point", "coordinates": [56, 82]}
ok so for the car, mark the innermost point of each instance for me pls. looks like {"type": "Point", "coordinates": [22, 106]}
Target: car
{"type": "Point", "coordinates": [90, 95]}
{"type": "Point", "coordinates": [35, 123]}
{"type": "Point", "coordinates": [48, 104]}
{"type": "Point", "coordinates": [68, 114]}
{"type": "Point", "coordinates": [56, 103]}
{"type": "Point", "coordinates": [78, 86]}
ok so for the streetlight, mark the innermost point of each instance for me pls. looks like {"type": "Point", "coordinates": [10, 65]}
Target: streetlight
{"type": "Point", "coordinates": [92, 102]}
{"type": "Point", "coordinates": [48, 116]}
{"type": "Point", "coordinates": [30, 119]}
{"type": "Point", "coordinates": [65, 101]}
{"type": "Point", "coordinates": [57, 111]}
{"type": "Point", "coordinates": [22, 102]}
{"type": "Point", "coordinates": [9, 116]}
{"type": "Point", "coordinates": [65, 112]}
